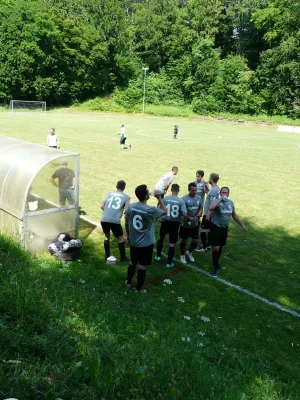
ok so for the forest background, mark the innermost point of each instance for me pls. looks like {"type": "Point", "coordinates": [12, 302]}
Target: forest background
{"type": "Point", "coordinates": [235, 56]}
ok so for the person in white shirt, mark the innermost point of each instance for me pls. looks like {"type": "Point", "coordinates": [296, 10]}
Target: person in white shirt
{"type": "Point", "coordinates": [52, 139]}
{"type": "Point", "coordinates": [165, 181]}
{"type": "Point", "coordinates": [123, 138]}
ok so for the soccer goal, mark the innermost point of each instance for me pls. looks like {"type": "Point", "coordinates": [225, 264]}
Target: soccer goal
{"type": "Point", "coordinates": [23, 106]}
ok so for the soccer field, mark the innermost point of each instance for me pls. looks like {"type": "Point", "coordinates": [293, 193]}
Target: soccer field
{"type": "Point", "coordinates": [258, 163]}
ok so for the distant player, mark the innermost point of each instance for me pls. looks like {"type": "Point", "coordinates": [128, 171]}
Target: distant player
{"type": "Point", "coordinates": [123, 138]}
{"type": "Point", "coordinates": [139, 220]}
{"type": "Point", "coordinates": [176, 210]}
{"type": "Point", "coordinates": [52, 139]}
{"type": "Point", "coordinates": [113, 206]}
{"type": "Point", "coordinates": [165, 181]}
{"type": "Point", "coordinates": [222, 210]}
{"type": "Point", "coordinates": [175, 131]}
{"type": "Point", "coordinates": [211, 197]}
{"type": "Point", "coordinates": [190, 228]}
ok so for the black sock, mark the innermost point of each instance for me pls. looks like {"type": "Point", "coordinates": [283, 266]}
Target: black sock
{"type": "Point", "coordinates": [170, 255]}
{"type": "Point", "coordinates": [107, 248]}
{"type": "Point", "coordinates": [182, 248]}
{"type": "Point", "coordinates": [192, 247]}
{"type": "Point", "coordinates": [219, 254]}
{"type": "Point", "coordinates": [122, 249]}
{"type": "Point", "coordinates": [215, 258]}
{"type": "Point", "coordinates": [203, 239]}
{"type": "Point", "coordinates": [159, 247]}
{"type": "Point", "coordinates": [208, 239]}
{"type": "Point", "coordinates": [130, 273]}
{"type": "Point", "coordinates": [141, 275]}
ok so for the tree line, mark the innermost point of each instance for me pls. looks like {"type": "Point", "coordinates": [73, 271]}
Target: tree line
{"type": "Point", "coordinates": [239, 56]}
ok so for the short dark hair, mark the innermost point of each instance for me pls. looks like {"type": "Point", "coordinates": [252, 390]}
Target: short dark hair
{"type": "Point", "coordinates": [200, 172]}
{"type": "Point", "coordinates": [214, 177]}
{"type": "Point", "coordinates": [175, 187]}
{"type": "Point", "coordinates": [121, 185]}
{"type": "Point", "coordinates": [174, 168]}
{"type": "Point", "coordinates": [141, 192]}
{"type": "Point", "coordinates": [192, 184]}
{"type": "Point", "coordinates": [225, 187]}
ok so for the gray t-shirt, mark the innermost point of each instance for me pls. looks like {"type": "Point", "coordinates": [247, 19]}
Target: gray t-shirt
{"type": "Point", "coordinates": [201, 189]}
{"type": "Point", "coordinates": [193, 204]}
{"type": "Point", "coordinates": [139, 218]}
{"type": "Point", "coordinates": [175, 209]}
{"type": "Point", "coordinates": [114, 204]}
{"type": "Point", "coordinates": [211, 197]}
{"type": "Point", "coordinates": [222, 214]}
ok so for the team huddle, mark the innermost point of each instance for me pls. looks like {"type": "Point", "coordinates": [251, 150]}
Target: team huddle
{"type": "Point", "coordinates": [178, 216]}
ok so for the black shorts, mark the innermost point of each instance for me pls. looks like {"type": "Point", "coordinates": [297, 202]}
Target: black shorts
{"type": "Point", "coordinates": [218, 236]}
{"type": "Point", "coordinates": [205, 224]}
{"type": "Point", "coordinates": [141, 255]}
{"type": "Point", "coordinates": [170, 228]}
{"type": "Point", "coordinates": [122, 140]}
{"type": "Point", "coordinates": [116, 229]}
{"type": "Point", "coordinates": [186, 233]}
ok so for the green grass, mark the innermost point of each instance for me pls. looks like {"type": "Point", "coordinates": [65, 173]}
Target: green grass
{"type": "Point", "coordinates": [129, 347]}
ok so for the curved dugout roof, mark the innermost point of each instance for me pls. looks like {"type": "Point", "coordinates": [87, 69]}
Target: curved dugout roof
{"type": "Point", "coordinates": [20, 162]}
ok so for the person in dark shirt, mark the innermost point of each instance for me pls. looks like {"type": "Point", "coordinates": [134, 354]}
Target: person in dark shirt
{"type": "Point", "coordinates": [65, 185]}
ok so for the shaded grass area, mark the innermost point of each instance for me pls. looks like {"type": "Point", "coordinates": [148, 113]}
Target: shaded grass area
{"type": "Point", "coordinates": [75, 332]}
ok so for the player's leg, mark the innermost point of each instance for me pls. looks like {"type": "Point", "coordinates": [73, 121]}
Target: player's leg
{"type": "Point", "coordinates": [194, 242]}
{"type": "Point", "coordinates": [70, 196]}
{"type": "Point", "coordinates": [106, 230]}
{"type": "Point", "coordinates": [160, 242]}
{"type": "Point", "coordinates": [63, 194]}
{"type": "Point", "coordinates": [145, 259]}
{"type": "Point", "coordinates": [132, 266]}
{"type": "Point", "coordinates": [215, 247]}
{"type": "Point", "coordinates": [183, 233]}
{"type": "Point", "coordinates": [173, 237]}
{"type": "Point", "coordinates": [223, 240]}
{"type": "Point", "coordinates": [203, 234]}
{"type": "Point", "coordinates": [117, 231]}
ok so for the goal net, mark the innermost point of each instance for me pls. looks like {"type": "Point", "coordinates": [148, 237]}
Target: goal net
{"type": "Point", "coordinates": [23, 106]}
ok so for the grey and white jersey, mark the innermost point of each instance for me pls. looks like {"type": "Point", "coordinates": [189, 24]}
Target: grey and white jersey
{"type": "Point", "coordinates": [164, 181]}
{"type": "Point", "coordinates": [114, 204]}
{"type": "Point", "coordinates": [201, 190]}
{"type": "Point", "coordinates": [211, 197]}
{"type": "Point", "coordinates": [221, 215]}
{"type": "Point", "coordinates": [139, 218]}
{"type": "Point", "coordinates": [193, 204]}
{"type": "Point", "coordinates": [175, 209]}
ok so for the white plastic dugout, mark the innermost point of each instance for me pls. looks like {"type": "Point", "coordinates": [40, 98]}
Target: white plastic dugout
{"type": "Point", "coordinates": [27, 106]}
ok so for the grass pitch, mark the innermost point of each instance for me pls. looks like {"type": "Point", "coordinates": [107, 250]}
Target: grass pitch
{"type": "Point", "coordinates": [129, 347]}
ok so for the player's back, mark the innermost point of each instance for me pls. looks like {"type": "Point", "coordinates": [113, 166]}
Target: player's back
{"type": "Point", "coordinates": [114, 204]}
{"type": "Point", "coordinates": [175, 209]}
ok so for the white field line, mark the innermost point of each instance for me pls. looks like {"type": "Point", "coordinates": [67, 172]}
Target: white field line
{"type": "Point", "coordinates": [234, 286]}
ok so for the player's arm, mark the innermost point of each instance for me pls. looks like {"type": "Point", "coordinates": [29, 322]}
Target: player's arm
{"type": "Point", "coordinates": [199, 214]}
{"type": "Point", "coordinates": [237, 219]}
{"type": "Point", "coordinates": [206, 188]}
{"type": "Point", "coordinates": [52, 180]}
{"type": "Point", "coordinates": [160, 202]}
{"type": "Point", "coordinates": [213, 206]}
{"type": "Point", "coordinates": [127, 204]}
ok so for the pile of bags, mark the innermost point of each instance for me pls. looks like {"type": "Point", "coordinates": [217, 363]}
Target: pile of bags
{"type": "Point", "coordinates": [65, 247]}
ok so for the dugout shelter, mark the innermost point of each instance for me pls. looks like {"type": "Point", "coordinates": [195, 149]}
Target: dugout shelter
{"type": "Point", "coordinates": [30, 205]}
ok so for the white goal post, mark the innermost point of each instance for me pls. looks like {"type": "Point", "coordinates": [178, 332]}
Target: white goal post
{"type": "Point", "coordinates": [25, 106]}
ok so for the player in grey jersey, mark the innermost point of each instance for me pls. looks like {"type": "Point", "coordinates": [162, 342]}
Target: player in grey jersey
{"type": "Point", "coordinates": [176, 210]}
{"type": "Point", "coordinates": [190, 228]}
{"type": "Point", "coordinates": [222, 210]}
{"type": "Point", "coordinates": [202, 190]}
{"type": "Point", "coordinates": [139, 222]}
{"type": "Point", "coordinates": [113, 206]}
{"type": "Point", "coordinates": [205, 224]}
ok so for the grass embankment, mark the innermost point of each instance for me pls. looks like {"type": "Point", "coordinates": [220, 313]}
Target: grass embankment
{"type": "Point", "coordinates": [74, 332]}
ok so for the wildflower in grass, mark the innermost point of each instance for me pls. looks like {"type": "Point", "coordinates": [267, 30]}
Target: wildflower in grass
{"type": "Point", "coordinates": [187, 317]}
{"type": "Point", "coordinates": [181, 299]}
{"type": "Point", "coordinates": [81, 281]}
{"type": "Point", "coordinates": [65, 265]}
{"type": "Point", "coordinates": [205, 319]}
{"type": "Point", "coordinates": [188, 339]}
{"type": "Point", "coordinates": [183, 338]}
{"type": "Point", "coordinates": [201, 333]}
{"type": "Point", "coordinates": [168, 281]}
{"type": "Point", "coordinates": [79, 261]}
{"type": "Point", "coordinates": [200, 345]}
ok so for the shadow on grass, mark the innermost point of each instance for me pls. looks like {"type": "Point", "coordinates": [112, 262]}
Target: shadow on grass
{"type": "Point", "coordinates": [75, 332]}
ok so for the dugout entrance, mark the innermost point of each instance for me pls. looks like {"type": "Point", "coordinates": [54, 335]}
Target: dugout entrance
{"type": "Point", "coordinates": [31, 207]}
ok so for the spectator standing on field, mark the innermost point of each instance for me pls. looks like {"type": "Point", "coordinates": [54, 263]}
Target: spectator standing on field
{"type": "Point", "coordinates": [221, 212]}
{"type": "Point", "coordinates": [52, 139]}
{"type": "Point", "coordinates": [113, 207]}
{"type": "Point", "coordinates": [175, 131]}
{"type": "Point", "coordinates": [139, 223]}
